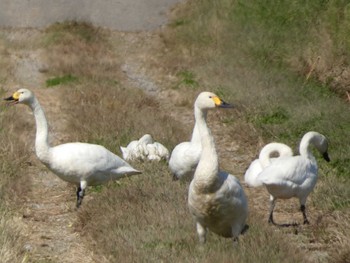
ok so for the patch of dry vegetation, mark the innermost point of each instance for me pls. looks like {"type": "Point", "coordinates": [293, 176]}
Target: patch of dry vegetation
{"type": "Point", "coordinates": [13, 188]}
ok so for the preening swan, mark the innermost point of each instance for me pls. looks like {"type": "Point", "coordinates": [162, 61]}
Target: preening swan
{"type": "Point", "coordinates": [157, 152]}
{"type": "Point", "coordinates": [215, 199]}
{"type": "Point", "coordinates": [251, 175]}
{"type": "Point", "coordinates": [185, 157]}
{"type": "Point", "coordinates": [295, 176]}
{"type": "Point", "coordinates": [82, 164]}
{"type": "Point", "coordinates": [145, 148]}
{"type": "Point", "coordinates": [137, 149]}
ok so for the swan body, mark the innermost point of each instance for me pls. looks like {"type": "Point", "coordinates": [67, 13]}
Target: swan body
{"type": "Point", "coordinates": [130, 152]}
{"type": "Point", "coordinates": [251, 175]}
{"type": "Point", "coordinates": [145, 148]}
{"type": "Point", "coordinates": [216, 199]}
{"type": "Point", "coordinates": [295, 176]}
{"type": "Point", "coordinates": [78, 163]}
{"type": "Point", "coordinates": [185, 157]}
{"type": "Point", "coordinates": [157, 152]}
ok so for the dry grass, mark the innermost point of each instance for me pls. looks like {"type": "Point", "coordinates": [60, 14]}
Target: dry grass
{"type": "Point", "coordinates": [14, 159]}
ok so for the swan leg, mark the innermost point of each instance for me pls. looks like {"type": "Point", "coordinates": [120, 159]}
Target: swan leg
{"type": "Point", "coordinates": [272, 206]}
{"type": "Point", "coordinates": [81, 192]}
{"type": "Point", "coordinates": [202, 232]}
{"type": "Point", "coordinates": [235, 234]}
{"type": "Point", "coordinates": [302, 209]}
{"type": "Point", "coordinates": [80, 195]}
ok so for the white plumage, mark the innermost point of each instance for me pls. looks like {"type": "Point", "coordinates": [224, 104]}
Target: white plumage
{"type": "Point", "coordinates": [295, 176]}
{"type": "Point", "coordinates": [216, 199]}
{"type": "Point", "coordinates": [185, 157]}
{"type": "Point", "coordinates": [145, 149]}
{"type": "Point", "coordinates": [251, 177]}
{"type": "Point", "coordinates": [82, 164]}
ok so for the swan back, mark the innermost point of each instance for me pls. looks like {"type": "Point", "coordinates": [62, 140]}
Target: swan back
{"type": "Point", "coordinates": [129, 152]}
{"type": "Point", "coordinates": [162, 151]}
{"type": "Point", "coordinates": [251, 176]}
{"type": "Point", "coordinates": [185, 157]}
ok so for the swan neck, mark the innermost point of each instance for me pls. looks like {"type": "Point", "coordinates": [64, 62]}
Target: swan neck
{"type": "Point", "coordinates": [206, 175]}
{"type": "Point", "coordinates": [42, 146]}
{"type": "Point", "coordinates": [196, 138]}
{"type": "Point", "coordinates": [304, 148]}
{"type": "Point", "coordinates": [265, 159]}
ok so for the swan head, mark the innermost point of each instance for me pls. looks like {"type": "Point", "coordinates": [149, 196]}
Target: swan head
{"type": "Point", "coordinates": [208, 100]}
{"type": "Point", "coordinates": [319, 141]}
{"type": "Point", "coordinates": [23, 96]}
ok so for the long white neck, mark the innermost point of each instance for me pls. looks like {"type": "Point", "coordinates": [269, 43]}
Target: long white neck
{"type": "Point", "coordinates": [206, 174]}
{"type": "Point", "coordinates": [281, 149]}
{"type": "Point", "coordinates": [196, 138]}
{"type": "Point", "coordinates": [304, 148]}
{"type": "Point", "coordinates": [41, 140]}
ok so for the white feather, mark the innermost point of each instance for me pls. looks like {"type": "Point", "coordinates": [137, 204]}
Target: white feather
{"type": "Point", "coordinates": [251, 175]}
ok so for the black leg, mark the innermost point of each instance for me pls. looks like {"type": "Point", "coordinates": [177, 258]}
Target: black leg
{"type": "Point", "coordinates": [272, 206]}
{"type": "Point", "coordinates": [302, 209]}
{"type": "Point", "coordinates": [80, 195]}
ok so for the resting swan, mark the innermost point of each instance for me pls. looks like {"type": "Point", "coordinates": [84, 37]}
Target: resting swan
{"type": "Point", "coordinates": [82, 164]}
{"type": "Point", "coordinates": [145, 148]}
{"type": "Point", "coordinates": [251, 175]}
{"type": "Point", "coordinates": [185, 157]}
{"type": "Point", "coordinates": [215, 199]}
{"type": "Point", "coordinates": [295, 176]}
{"type": "Point", "coordinates": [157, 152]}
{"type": "Point", "coordinates": [137, 149]}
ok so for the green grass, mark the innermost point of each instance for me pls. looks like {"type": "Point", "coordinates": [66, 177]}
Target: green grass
{"type": "Point", "coordinates": [60, 80]}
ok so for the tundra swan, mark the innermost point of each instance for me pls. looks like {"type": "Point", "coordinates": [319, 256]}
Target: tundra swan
{"type": "Point", "coordinates": [145, 148]}
{"type": "Point", "coordinates": [216, 199]}
{"type": "Point", "coordinates": [82, 164]}
{"type": "Point", "coordinates": [295, 176]}
{"type": "Point", "coordinates": [185, 157]}
{"type": "Point", "coordinates": [137, 149]}
{"type": "Point", "coordinates": [157, 152]}
{"type": "Point", "coordinates": [251, 175]}
{"type": "Point", "coordinates": [129, 152]}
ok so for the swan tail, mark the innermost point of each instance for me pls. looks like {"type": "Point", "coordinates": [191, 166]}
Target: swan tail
{"type": "Point", "coordinates": [127, 171]}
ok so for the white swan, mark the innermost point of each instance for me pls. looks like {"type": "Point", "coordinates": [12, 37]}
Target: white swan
{"type": "Point", "coordinates": [157, 152]}
{"type": "Point", "coordinates": [145, 148]}
{"type": "Point", "coordinates": [251, 175]}
{"type": "Point", "coordinates": [295, 176]}
{"type": "Point", "coordinates": [215, 199]}
{"type": "Point", "coordinates": [129, 152]}
{"type": "Point", "coordinates": [137, 149]}
{"type": "Point", "coordinates": [82, 164]}
{"type": "Point", "coordinates": [185, 157]}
